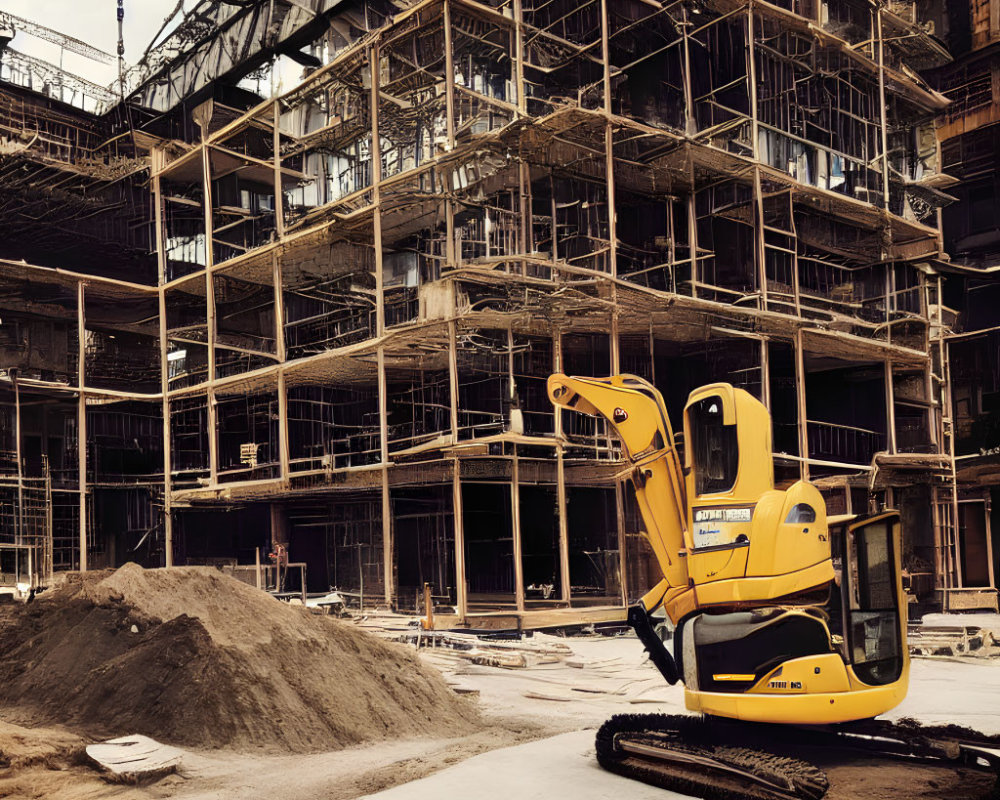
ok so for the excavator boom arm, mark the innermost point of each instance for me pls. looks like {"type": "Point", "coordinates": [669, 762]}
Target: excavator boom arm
{"type": "Point", "coordinates": [636, 412]}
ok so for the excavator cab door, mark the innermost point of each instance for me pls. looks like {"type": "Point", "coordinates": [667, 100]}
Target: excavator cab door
{"type": "Point", "coordinates": [873, 603]}
{"type": "Point", "coordinates": [728, 467]}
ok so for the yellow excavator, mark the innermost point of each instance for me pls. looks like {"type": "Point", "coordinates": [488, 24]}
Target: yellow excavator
{"type": "Point", "coordinates": [780, 616]}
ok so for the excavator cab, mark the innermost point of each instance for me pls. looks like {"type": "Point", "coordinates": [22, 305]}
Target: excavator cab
{"type": "Point", "coordinates": [771, 624]}
{"type": "Point", "coordinates": [729, 444]}
{"type": "Point", "coordinates": [750, 542]}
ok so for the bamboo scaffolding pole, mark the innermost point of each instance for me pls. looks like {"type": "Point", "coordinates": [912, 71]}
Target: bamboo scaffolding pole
{"type": "Point", "coordinates": [210, 320]}
{"type": "Point", "coordinates": [457, 510]}
{"type": "Point", "coordinates": [161, 269]}
{"type": "Point", "coordinates": [81, 424]}
{"type": "Point", "coordinates": [515, 511]}
{"type": "Point", "coordinates": [801, 412]}
{"type": "Point", "coordinates": [565, 588]}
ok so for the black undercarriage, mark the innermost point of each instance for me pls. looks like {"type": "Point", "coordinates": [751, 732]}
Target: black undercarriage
{"type": "Point", "coordinates": [722, 759]}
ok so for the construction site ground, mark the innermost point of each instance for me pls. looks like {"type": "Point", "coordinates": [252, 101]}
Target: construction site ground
{"type": "Point", "coordinates": [539, 702]}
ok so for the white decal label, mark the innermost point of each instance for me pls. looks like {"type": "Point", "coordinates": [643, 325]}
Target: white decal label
{"type": "Point", "coordinates": [723, 514]}
{"type": "Point", "coordinates": [722, 525]}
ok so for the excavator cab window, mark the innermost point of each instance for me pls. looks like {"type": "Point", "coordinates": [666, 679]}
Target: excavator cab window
{"type": "Point", "coordinates": [873, 611]}
{"type": "Point", "coordinates": [801, 513]}
{"type": "Point", "coordinates": [714, 447]}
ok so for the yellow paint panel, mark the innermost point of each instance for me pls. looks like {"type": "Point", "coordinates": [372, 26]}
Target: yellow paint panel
{"type": "Point", "coordinates": [764, 588]}
{"type": "Point", "coordinates": [825, 708]}
{"type": "Point", "coordinates": [822, 674]}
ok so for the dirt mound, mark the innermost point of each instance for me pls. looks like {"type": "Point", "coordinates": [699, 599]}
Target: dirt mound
{"type": "Point", "coordinates": [213, 663]}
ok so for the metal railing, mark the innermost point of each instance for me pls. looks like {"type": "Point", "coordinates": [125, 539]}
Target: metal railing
{"type": "Point", "coordinates": [845, 443]}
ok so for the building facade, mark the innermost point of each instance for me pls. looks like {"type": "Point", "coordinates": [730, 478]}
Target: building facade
{"type": "Point", "coordinates": [969, 133]}
{"type": "Point", "coordinates": [316, 322]}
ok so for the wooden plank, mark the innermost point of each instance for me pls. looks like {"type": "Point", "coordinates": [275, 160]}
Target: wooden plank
{"type": "Point", "coordinates": [461, 592]}
{"type": "Point", "coordinates": [515, 511]}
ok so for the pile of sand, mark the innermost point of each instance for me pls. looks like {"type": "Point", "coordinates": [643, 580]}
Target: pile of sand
{"type": "Point", "coordinates": [214, 663]}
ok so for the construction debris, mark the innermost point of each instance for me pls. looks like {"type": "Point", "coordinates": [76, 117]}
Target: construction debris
{"type": "Point", "coordinates": [972, 636]}
{"type": "Point", "coordinates": [970, 641]}
{"type": "Point", "coordinates": [135, 759]}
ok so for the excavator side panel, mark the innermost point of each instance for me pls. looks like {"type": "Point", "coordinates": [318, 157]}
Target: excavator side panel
{"type": "Point", "coordinates": [766, 588]}
{"type": "Point", "coordinates": [794, 527]}
{"type": "Point", "coordinates": [825, 708]}
{"type": "Point", "coordinates": [813, 678]}
{"type": "Point", "coordinates": [718, 565]}
{"type": "Point", "coordinates": [785, 549]}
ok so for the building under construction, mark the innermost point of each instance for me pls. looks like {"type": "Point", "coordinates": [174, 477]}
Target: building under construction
{"type": "Point", "coordinates": [294, 287]}
{"type": "Point", "coordinates": [969, 132]}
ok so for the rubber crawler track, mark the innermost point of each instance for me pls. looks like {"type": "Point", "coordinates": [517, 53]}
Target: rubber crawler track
{"type": "Point", "coordinates": [696, 736]}
{"type": "Point", "coordinates": [737, 745]}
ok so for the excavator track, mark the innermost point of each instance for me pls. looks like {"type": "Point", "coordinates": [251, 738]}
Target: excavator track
{"type": "Point", "coordinates": [721, 759]}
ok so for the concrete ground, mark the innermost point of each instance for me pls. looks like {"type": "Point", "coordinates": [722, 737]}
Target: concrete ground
{"type": "Point", "coordinates": [616, 678]}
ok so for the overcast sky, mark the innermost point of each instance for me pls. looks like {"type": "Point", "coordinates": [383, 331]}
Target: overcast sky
{"type": "Point", "coordinates": [95, 22]}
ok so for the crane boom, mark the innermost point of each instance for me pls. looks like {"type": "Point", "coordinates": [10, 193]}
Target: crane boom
{"type": "Point", "coordinates": [69, 43]}
{"type": "Point", "coordinates": [41, 73]}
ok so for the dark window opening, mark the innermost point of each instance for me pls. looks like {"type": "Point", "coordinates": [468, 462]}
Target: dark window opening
{"type": "Point", "coordinates": [982, 209]}
{"type": "Point", "coordinates": [714, 447]}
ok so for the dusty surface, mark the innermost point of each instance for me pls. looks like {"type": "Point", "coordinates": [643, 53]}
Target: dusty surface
{"type": "Point", "coordinates": [561, 766]}
{"type": "Point", "coordinates": [192, 657]}
{"type": "Point", "coordinates": [339, 775]}
{"type": "Point", "coordinates": [885, 780]}
{"type": "Point", "coordinates": [50, 764]}
{"type": "Point", "coordinates": [564, 766]}
{"type": "Point", "coordinates": [537, 741]}
{"type": "Point", "coordinates": [610, 676]}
